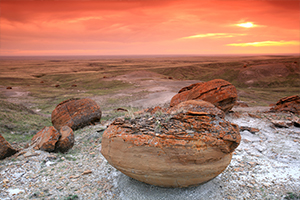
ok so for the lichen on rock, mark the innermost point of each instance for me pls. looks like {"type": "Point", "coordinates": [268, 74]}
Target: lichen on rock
{"type": "Point", "coordinates": [219, 92]}
{"type": "Point", "coordinates": [184, 146]}
{"type": "Point", "coordinates": [76, 113]}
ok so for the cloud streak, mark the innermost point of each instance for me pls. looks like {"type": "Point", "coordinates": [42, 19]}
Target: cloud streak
{"type": "Point", "coordinates": [214, 35]}
{"type": "Point", "coordinates": [266, 43]}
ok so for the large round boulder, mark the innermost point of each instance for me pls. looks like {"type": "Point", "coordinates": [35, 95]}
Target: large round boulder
{"type": "Point", "coordinates": [76, 113]}
{"type": "Point", "coordinates": [219, 92]}
{"type": "Point", "coordinates": [185, 146]}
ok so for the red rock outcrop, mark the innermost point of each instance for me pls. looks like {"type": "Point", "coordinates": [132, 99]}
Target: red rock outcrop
{"type": "Point", "coordinates": [187, 145]}
{"type": "Point", "coordinates": [75, 113]}
{"type": "Point", "coordinates": [218, 92]}
{"type": "Point", "coordinates": [46, 139]}
{"type": "Point", "coordinates": [288, 104]}
{"type": "Point", "coordinates": [66, 141]}
{"type": "Point", "coordinates": [49, 139]}
{"type": "Point", "coordinates": [6, 149]}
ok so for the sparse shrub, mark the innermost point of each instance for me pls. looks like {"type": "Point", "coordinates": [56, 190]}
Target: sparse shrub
{"type": "Point", "coordinates": [71, 197]}
{"type": "Point", "coordinates": [291, 195]}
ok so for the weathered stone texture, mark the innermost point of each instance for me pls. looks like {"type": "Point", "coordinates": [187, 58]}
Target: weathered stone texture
{"type": "Point", "coordinates": [66, 141]}
{"type": "Point", "coordinates": [46, 139]}
{"type": "Point", "coordinates": [51, 140]}
{"type": "Point", "coordinates": [174, 149]}
{"type": "Point", "coordinates": [218, 92]}
{"type": "Point", "coordinates": [75, 113]}
{"type": "Point", "coordinates": [288, 104]}
{"type": "Point", "coordinates": [6, 149]}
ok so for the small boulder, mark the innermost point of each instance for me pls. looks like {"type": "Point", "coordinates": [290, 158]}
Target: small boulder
{"type": "Point", "coordinates": [66, 141]}
{"type": "Point", "coordinates": [250, 129]}
{"type": "Point", "coordinates": [281, 123]}
{"type": "Point", "coordinates": [76, 113]}
{"type": "Point", "coordinates": [6, 149]}
{"type": "Point", "coordinates": [296, 122]}
{"type": "Point", "coordinates": [288, 104]}
{"type": "Point", "coordinates": [219, 92]}
{"type": "Point", "coordinates": [45, 139]}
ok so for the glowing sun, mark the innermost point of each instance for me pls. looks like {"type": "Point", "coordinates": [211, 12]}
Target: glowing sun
{"type": "Point", "coordinates": [246, 25]}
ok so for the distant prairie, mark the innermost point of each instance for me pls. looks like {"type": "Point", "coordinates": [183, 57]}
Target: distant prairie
{"type": "Point", "coordinates": [40, 83]}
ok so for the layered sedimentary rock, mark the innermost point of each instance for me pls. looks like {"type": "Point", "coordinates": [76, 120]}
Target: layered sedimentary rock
{"type": "Point", "coordinates": [288, 104]}
{"type": "Point", "coordinates": [6, 149]}
{"type": "Point", "coordinates": [66, 141]}
{"type": "Point", "coordinates": [75, 113]}
{"type": "Point", "coordinates": [197, 106]}
{"type": "Point", "coordinates": [46, 139]}
{"type": "Point", "coordinates": [49, 139]}
{"type": "Point", "coordinates": [218, 92]}
{"type": "Point", "coordinates": [187, 145]}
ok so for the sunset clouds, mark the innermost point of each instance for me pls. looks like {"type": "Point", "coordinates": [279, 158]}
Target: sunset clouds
{"type": "Point", "coordinates": [267, 43]}
{"type": "Point", "coordinates": [214, 35]}
{"type": "Point", "coordinates": [111, 27]}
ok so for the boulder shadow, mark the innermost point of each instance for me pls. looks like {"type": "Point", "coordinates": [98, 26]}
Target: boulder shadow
{"type": "Point", "coordinates": [130, 188]}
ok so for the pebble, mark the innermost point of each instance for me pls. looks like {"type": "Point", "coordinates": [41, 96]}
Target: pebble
{"type": "Point", "coordinates": [87, 172]}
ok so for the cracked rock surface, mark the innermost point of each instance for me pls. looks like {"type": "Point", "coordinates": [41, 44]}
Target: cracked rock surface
{"type": "Point", "coordinates": [76, 113]}
{"type": "Point", "coordinates": [219, 92]}
{"type": "Point", "coordinates": [182, 147]}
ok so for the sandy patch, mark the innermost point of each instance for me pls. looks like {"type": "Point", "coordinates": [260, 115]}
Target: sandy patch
{"type": "Point", "coordinates": [158, 89]}
{"type": "Point", "coordinates": [15, 92]}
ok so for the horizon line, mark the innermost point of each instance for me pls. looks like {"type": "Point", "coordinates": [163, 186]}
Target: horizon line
{"type": "Point", "coordinates": [160, 55]}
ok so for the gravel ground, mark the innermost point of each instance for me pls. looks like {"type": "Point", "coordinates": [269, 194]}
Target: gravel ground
{"type": "Point", "coordinates": [266, 165]}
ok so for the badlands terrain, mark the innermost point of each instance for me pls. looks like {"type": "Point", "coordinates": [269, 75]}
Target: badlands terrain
{"type": "Point", "coordinates": [264, 166]}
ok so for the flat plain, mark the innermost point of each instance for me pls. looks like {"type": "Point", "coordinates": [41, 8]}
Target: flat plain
{"type": "Point", "coordinates": [38, 84]}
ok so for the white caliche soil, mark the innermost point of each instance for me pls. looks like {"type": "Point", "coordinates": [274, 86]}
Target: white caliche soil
{"type": "Point", "coordinates": [157, 89]}
{"type": "Point", "coordinates": [265, 166]}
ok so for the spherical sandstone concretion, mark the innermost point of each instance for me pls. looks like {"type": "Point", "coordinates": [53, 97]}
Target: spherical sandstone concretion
{"type": "Point", "coordinates": [76, 113]}
{"type": "Point", "coordinates": [172, 149]}
{"type": "Point", "coordinates": [219, 92]}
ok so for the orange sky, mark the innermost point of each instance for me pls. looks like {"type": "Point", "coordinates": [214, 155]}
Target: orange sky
{"type": "Point", "coordinates": [124, 27]}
